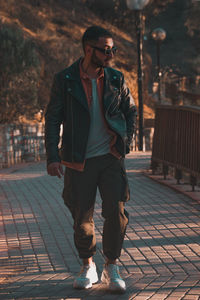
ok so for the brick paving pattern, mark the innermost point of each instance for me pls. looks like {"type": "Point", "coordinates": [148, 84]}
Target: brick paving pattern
{"type": "Point", "coordinates": [161, 254]}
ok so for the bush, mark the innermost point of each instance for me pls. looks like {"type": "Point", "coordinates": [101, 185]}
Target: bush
{"type": "Point", "coordinates": [19, 74]}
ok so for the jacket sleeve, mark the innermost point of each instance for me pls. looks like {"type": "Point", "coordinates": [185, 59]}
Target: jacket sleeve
{"type": "Point", "coordinates": [53, 120]}
{"type": "Point", "coordinates": [128, 108]}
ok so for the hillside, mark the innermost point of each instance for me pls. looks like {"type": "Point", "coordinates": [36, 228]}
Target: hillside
{"type": "Point", "coordinates": [54, 29]}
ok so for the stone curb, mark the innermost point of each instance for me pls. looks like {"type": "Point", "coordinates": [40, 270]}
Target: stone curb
{"type": "Point", "coordinates": [171, 183]}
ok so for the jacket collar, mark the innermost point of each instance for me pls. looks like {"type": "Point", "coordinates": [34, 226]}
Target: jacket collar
{"type": "Point", "coordinates": [75, 87]}
{"type": "Point", "coordinates": [111, 86]}
{"type": "Point", "coordinates": [72, 72]}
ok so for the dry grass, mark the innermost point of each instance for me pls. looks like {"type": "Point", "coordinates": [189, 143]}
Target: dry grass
{"type": "Point", "coordinates": [57, 31]}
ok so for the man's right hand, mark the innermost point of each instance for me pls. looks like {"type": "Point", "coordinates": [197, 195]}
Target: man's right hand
{"type": "Point", "coordinates": [55, 169]}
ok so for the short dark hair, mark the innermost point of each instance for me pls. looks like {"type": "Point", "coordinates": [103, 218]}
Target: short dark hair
{"type": "Point", "coordinates": [93, 33]}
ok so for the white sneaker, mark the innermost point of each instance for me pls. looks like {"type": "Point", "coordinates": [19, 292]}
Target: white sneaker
{"type": "Point", "coordinates": [87, 276]}
{"type": "Point", "coordinates": [112, 278]}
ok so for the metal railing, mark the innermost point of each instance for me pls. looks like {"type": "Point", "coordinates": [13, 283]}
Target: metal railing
{"type": "Point", "coordinates": [176, 140]}
{"type": "Point", "coordinates": [19, 143]}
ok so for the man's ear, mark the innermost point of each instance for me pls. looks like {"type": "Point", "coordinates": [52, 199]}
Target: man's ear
{"type": "Point", "coordinates": [88, 50]}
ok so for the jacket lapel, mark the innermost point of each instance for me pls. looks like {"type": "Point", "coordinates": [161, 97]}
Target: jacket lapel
{"type": "Point", "coordinates": [74, 85]}
{"type": "Point", "coordinates": [111, 88]}
{"type": "Point", "coordinates": [75, 88]}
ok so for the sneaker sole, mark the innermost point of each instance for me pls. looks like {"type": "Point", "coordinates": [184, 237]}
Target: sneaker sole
{"type": "Point", "coordinates": [77, 287]}
{"type": "Point", "coordinates": [88, 286]}
{"type": "Point", "coordinates": [113, 290]}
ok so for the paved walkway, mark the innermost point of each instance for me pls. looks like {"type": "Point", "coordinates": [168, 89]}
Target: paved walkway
{"type": "Point", "coordinates": [161, 254]}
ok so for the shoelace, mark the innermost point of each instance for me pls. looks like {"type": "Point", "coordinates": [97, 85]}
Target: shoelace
{"type": "Point", "coordinates": [114, 272]}
{"type": "Point", "coordinates": [84, 271]}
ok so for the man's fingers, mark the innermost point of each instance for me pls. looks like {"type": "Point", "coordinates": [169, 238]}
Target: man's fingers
{"type": "Point", "coordinates": [61, 169]}
{"type": "Point", "coordinates": [55, 169]}
{"type": "Point", "coordinates": [56, 172]}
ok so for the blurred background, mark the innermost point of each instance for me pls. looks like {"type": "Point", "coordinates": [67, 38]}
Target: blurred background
{"type": "Point", "coordinates": [41, 37]}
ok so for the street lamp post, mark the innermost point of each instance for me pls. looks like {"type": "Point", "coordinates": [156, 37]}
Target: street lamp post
{"type": "Point", "coordinates": [158, 35]}
{"type": "Point", "coordinates": [137, 6]}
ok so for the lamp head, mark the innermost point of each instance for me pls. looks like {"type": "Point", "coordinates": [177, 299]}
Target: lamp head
{"type": "Point", "coordinates": [136, 4]}
{"type": "Point", "coordinates": [158, 34]}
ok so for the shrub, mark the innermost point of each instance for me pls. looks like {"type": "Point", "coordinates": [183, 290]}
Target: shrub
{"type": "Point", "coordinates": [19, 74]}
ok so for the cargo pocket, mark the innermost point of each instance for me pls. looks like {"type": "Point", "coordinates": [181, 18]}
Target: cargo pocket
{"type": "Point", "coordinates": [126, 190]}
{"type": "Point", "coordinates": [67, 191]}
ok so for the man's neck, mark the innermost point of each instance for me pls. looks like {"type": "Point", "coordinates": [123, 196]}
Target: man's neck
{"type": "Point", "coordinates": [90, 70]}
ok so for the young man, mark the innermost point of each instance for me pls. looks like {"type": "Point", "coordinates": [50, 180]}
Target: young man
{"type": "Point", "coordinates": [98, 114]}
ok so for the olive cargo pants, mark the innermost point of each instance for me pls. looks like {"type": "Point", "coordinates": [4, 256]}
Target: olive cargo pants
{"type": "Point", "coordinates": [108, 174]}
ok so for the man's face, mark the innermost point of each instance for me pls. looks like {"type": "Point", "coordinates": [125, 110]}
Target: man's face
{"type": "Point", "coordinates": [98, 58]}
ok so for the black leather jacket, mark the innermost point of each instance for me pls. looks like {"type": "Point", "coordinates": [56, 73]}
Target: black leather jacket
{"type": "Point", "coordinates": [68, 106]}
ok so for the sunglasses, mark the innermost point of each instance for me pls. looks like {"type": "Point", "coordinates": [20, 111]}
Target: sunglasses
{"type": "Point", "coordinates": [108, 51]}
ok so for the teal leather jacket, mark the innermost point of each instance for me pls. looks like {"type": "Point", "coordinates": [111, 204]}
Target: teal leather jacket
{"type": "Point", "coordinates": [68, 106]}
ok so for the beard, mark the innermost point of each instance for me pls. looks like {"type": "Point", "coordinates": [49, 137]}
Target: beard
{"type": "Point", "coordinates": [98, 63]}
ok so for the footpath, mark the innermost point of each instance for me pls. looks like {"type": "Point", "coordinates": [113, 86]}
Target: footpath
{"type": "Point", "coordinates": [161, 254]}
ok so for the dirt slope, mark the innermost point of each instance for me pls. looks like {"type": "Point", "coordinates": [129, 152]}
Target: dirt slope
{"type": "Point", "coordinates": [56, 28]}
